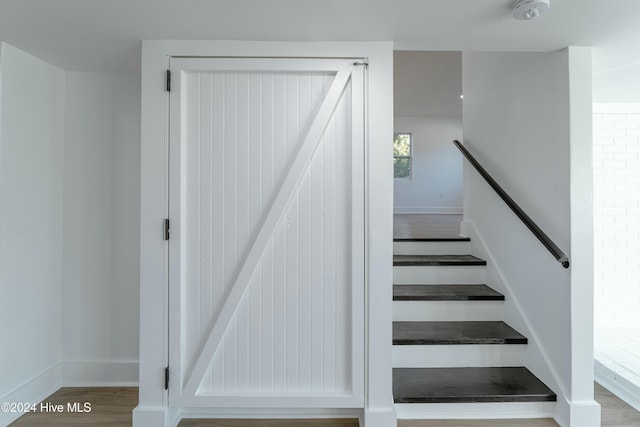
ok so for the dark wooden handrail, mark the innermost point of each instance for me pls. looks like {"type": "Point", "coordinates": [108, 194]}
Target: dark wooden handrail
{"type": "Point", "coordinates": [531, 225]}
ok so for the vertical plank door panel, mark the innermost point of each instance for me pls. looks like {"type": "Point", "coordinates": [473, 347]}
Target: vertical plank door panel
{"type": "Point", "coordinates": [263, 284]}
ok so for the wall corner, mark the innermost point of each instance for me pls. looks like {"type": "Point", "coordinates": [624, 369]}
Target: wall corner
{"type": "Point", "coordinates": [581, 216]}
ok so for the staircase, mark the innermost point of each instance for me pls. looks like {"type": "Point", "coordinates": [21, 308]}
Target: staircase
{"type": "Point", "coordinates": [453, 355]}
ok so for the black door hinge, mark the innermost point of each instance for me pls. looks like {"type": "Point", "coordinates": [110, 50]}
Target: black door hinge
{"type": "Point", "coordinates": [168, 80]}
{"type": "Point", "coordinates": [166, 229]}
{"type": "Point", "coordinates": [166, 378]}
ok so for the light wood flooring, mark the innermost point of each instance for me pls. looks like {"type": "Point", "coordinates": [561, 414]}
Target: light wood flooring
{"type": "Point", "coordinates": [112, 407]}
{"type": "Point", "coordinates": [615, 412]}
{"type": "Point", "coordinates": [413, 226]}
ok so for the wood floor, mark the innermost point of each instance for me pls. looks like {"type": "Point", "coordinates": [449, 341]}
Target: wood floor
{"type": "Point", "coordinates": [615, 412]}
{"type": "Point", "coordinates": [112, 407]}
{"type": "Point", "coordinates": [409, 226]}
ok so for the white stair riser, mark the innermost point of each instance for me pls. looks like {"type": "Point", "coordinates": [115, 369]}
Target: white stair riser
{"type": "Point", "coordinates": [465, 275]}
{"type": "Point", "coordinates": [431, 248]}
{"type": "Point", "coordinates": [457, 356]}
{"type": "Point", "coordinates": [447, 310]}
{"type": "Point", "coordinates": [490, 410]}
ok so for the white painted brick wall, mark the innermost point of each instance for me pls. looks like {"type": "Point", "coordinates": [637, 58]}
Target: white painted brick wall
{"type": "Point", "coordinates": [616, 199]}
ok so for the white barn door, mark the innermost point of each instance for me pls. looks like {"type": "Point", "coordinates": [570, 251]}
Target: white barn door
{"type": "Point", "coordinates": [266, 255]}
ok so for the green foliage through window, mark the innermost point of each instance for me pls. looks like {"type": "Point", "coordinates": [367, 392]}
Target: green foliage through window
{"type": "Point", "coordinates": [402, 155]}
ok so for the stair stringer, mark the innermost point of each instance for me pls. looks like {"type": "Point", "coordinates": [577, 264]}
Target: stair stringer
{"type": "Point", "coordinates": [536, 358]}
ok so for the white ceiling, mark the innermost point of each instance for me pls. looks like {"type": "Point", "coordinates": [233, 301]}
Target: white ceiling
{"type": "Point", "coordinates": [105, 34]}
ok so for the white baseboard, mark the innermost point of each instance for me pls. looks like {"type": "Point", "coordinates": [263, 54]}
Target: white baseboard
{"type": "Point", "coordinates": [492, 410]}
{"type": "Point", "coordinates": [580, 414]}
{"type": "Point", "coordinates": [263, 413]}
{"type": "Point", "coordinates": [379, 417]}
{"type": "Point", "coordinates": [144, 416]}
{"type": "Point", "coordinates": [121, 373]}
{"type": "Point", "coordinates": [33, 391]}
{"type": "Point", "coordinates": [616, 383]}
{"type": "Point", "coordinates": [270, 413]}
{"type": "Point", "coordinates": [428, 210]}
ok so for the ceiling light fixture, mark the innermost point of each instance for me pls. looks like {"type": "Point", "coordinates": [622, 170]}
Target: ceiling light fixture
{"type": "Point", "coordinates": [525, 10]}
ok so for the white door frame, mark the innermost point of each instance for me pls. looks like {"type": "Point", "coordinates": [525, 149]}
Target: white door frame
{"type": "Point", "coordinates": [153, 408]}
{"type": "Point", "coordinates": [183, 390]}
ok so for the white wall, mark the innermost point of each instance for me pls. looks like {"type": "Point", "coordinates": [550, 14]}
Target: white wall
{"type": "Point", "coordinates": [616, 158]}
{"type": "Point", "coordinates": [527, 129]}
{"type": "Point", "coordinates": [616, 65]}
{"type": "Point", "coordinates": [436, 182]}
{"type": "Point", "coordinates": [101, 228]}
{"type": "Point", "coordinates": [69, 227]}
{"type": "Point", "coordinates": [427, 83]}
{"type": "Point", "coordinates": [31, 194]}
{"type": "Point", "coordinates": [426, 101]}
{"type": "Point", "coordinates": [616, 205]}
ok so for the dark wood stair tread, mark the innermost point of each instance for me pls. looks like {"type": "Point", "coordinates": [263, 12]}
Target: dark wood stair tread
{"type": "Point", "coordinates": [433, 239]}
{"type": "Point", "coordinates": [431, 260]}
{"type": "Point", "coordinates": [452, 333]}
{"type": "Point", "coordinates": [467, 385]}
{"type": "Point", "coordinates": [445, 293]}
